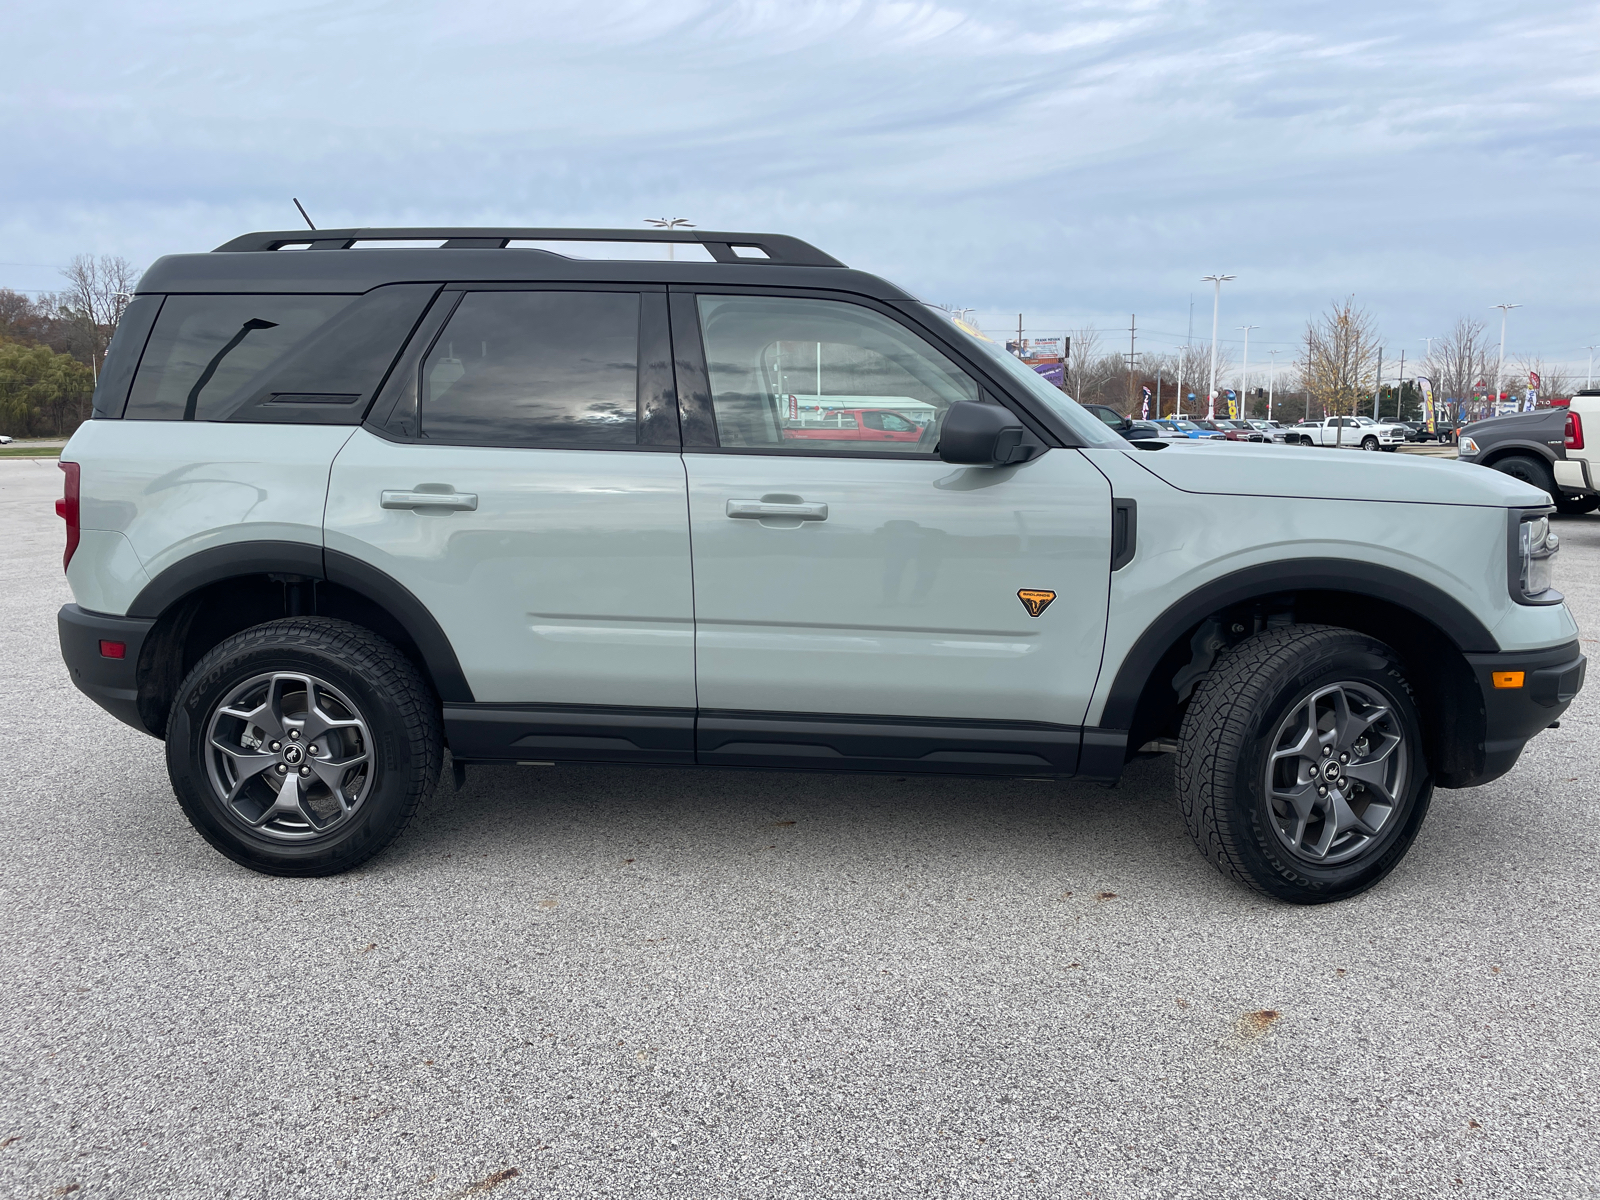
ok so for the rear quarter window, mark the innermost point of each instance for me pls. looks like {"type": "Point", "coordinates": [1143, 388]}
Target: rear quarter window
{"type": "Point", "coordinates": [272, 358]}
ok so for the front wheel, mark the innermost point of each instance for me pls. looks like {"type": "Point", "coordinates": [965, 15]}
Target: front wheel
{"type": "Point", "coordinates": [303, 746]}
{"type": "Point", "coordinates": [1576, 506]}
{"type": "Point", "coordinates": [1528, 469]}
{"type": "Point", "coordinates": [1369, 442]}
{"type": "Point", "coordinates": [1300, 767]}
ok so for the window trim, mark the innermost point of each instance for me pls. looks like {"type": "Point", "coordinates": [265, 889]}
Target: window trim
{"type": "Point", "coordinates": [657, 413]}
{"type": "Point", "coordinates": [698, 419]}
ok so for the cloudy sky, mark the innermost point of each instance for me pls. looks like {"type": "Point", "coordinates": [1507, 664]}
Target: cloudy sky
{"type": "Point", "coordinates": [1076, 162]}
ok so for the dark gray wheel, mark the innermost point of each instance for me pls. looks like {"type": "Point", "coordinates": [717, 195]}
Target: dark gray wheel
{"type": "Point", "coordinates": [1576, 506]}
{"type": "Point", "coordinates": [1300, 767]}
{"type": "Point", "coordinates": [1528, 469]}
{"type": "Point", "coordinates": [303, 746]}
{"type": "Point", "coordinates": [1369, 442]}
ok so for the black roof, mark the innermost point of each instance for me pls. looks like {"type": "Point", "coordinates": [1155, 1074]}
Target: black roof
{"type": "Point", "coordinates": [293, 261]}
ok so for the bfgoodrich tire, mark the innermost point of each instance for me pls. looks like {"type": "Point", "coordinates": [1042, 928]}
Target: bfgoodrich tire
{"type": "Point", "coordinates": [1300, 768]}
{"type": "Point", "coordinates": [303, 746]}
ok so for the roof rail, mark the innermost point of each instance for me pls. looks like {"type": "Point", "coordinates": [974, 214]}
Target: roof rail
{"type": "Point", "coordinates": [774, 248]}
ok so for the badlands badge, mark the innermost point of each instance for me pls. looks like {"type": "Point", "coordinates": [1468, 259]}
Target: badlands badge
{"type": "Point", "coordinates": [1035, 601]}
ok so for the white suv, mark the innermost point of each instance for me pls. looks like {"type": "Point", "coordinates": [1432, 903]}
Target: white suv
{"type": "Point", "coordinates": [342, 510]}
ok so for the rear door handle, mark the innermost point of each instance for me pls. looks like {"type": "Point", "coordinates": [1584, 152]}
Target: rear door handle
{"type": "Point", "coordinates": [458, 501]}
{"type": "Point", "coordinates": [757, 509]}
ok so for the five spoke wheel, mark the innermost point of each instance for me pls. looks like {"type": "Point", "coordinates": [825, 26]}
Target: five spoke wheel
{"type": "Point", "coordinates": [1336, 771]}
{"type": "Point", "coordinates": [289, 755]}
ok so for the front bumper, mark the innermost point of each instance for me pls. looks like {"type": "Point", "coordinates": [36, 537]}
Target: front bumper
{"type": "Point", "coordinates": [112, 683]}
{"type": "Point", "coordinates": [1550, 678]}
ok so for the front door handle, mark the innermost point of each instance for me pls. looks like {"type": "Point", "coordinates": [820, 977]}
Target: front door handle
{"type": "Point", "coordinates": [759, 509]}
{"type": "Point", "coordinates": [457, 501]}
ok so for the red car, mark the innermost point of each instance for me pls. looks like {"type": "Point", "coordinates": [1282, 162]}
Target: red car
{"type": "Point", "coordinates": [854, 425]}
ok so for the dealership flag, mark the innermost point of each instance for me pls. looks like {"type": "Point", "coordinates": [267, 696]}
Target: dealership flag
{"type": "Point", "coordinates": [1144, 412]}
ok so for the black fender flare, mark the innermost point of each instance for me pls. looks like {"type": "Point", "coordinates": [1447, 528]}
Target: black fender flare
{"type": "Point", "coordinates": [241, 559]}
{"type": "Point", "coordinates": [1489, 455]}
{"type": "Point", "coordinates": [1432, 604]}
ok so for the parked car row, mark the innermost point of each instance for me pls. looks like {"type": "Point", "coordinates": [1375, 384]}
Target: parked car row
{"type": "Point", "coordinates": [1359, 433]}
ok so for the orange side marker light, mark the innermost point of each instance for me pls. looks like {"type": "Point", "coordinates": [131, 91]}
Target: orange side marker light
{"type": "Point", "coordinates": [1508, 679]}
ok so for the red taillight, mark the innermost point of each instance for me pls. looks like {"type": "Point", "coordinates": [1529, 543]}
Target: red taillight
{"type": "Point", "coordinates": [1574, 431]}
{"type": "Point", "coordinates": [67, 510]}
{"type": "Point", "coordinates": [113, 649]}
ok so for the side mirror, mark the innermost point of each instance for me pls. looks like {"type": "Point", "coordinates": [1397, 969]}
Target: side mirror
{"type": "Point", "coordinates": [982, 435]}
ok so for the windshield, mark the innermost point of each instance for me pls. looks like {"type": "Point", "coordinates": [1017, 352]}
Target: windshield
{"type": "Point", "coordinates": [1186, 426]}
{"type": "Point", "coordinates": [1093, 431]}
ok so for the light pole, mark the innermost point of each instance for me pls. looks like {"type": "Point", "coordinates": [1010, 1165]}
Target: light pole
{"type": "Point", "coordinates": [1272, 373]}
{"type": "Point", "coordinates": [1244, 371]}
{"type": "Point", "coordinates": [1500, 371]}
{"type": "Point", "coordinates": [670, 223]}
{"type": "Point", "coordinates": [1588, 380]}
{"type": "Point", "coordinates": [1216, 305]}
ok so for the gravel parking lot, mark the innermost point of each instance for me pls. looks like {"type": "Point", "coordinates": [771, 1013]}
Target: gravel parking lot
{"type": "Point", "coordinates": [587, 981]}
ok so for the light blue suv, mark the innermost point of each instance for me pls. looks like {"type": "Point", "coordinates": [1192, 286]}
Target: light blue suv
{"type": "Point", "coordinates": [342, 510]}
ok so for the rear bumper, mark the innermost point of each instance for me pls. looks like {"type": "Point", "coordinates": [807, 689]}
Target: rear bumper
{"type": "Point", "coordinates": [1513, 715]}
{"type": "Point", "coordinates": [112, 683]}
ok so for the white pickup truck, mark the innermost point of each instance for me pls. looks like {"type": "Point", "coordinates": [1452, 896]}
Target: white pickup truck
{"type": "Point", "coordinates": [1359, 433]}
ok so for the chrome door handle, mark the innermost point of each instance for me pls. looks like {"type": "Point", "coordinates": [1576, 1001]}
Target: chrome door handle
{"type": "Point", "coordinates": [756, 509]}
{"type": "Point", "coordinates": [458, 501]}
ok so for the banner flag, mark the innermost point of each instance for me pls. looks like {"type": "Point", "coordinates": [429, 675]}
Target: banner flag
{"type": "Point", "coordinates": [1144, 411]}
{"type": "Point", "coordinates": [1428, 416]}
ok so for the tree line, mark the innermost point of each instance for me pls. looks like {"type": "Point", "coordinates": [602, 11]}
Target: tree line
{"type": "Point", "coordinates": [1334, 372]}
{"type": "Point", "coordinates": [53, 346]}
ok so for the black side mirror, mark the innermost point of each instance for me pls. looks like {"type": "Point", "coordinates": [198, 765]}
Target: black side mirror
{"type": "Point", "coordinates": [982, 435]}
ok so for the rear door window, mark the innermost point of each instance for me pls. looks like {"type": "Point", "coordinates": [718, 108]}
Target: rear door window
{"type": "Point", "coordinates": [535, 368]}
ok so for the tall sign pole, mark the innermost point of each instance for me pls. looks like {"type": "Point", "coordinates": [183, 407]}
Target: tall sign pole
{"type": "Point", "coordinates": [1244, 371]}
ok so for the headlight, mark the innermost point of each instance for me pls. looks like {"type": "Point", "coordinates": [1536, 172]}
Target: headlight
{"type": "Point", "coordinates": [1533, 552]}
{"type": "Point", "coordinates": [1466, 446]}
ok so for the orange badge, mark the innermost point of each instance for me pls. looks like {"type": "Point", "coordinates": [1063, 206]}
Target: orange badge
{"type": "Point", "coordinates": [1035, 601]}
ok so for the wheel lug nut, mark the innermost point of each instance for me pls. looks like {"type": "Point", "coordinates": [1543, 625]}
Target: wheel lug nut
{"type": "Point", "coordinates": [305, 770]}
{"type": "Point", "coordinates": [311, 750]}
{"type": "Point", "coordinates": [1327, 750]}
{"type": "Point", "coordinates": [282, 770]}
{"type": "Point", "coordinates": [1344, 758]}
{"type": "Point", "coordinates": [1322, 791]}
{"type": "Point", "coordinates": [277, 746]}
{"type": "Point", "coordinates": [294, 733]}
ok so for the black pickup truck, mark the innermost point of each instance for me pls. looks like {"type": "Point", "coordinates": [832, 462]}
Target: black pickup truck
{"type": "Point", "coordinates": [1544, 447]}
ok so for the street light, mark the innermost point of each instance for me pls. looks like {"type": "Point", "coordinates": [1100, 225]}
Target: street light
{"type": "Point", "coordinates": [1244, 371]}
{"type": "Point", "coordinates": [1272, 373]}
{"type": "Point", "coordinates": [1216, 304]}
{"type": "Point", "coordinates": [670, 223]}
{"type": "Point", "coordinates": [1500, 371]}
{"type": "Point", "coordinates": [1588, 380]}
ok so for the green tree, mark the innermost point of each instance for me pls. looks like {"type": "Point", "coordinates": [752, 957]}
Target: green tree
{"type": "Point", "coordinates": [42, 393]}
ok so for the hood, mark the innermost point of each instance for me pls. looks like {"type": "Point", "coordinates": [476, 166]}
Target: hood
{"type": "Point", "coordinates": [1512, 422]}
{"type": "Point", "coordinates": [1311, 473]}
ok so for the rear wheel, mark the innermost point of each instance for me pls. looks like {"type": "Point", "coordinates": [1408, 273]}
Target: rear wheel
{"type": "Point", "coordinates": [1529, 470]}
{"type": "Point", "coordinates": [303, 746]}
{"type": "Point", "coordinates": [1300, 768]}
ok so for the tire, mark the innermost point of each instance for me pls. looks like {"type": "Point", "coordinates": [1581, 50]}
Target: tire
{"type": "Point", "coordinates": [1261, 696]}
{"type": "Point", "coordinates": [1369, 442]}
{"type": "Point", "coordinates": [1576, 506]}
{"type": "Point", "coordinates": [1391, 448]}
{"type": "Point", "coordinates": [1528, 469]}
{"type": "Point", "coordinates": [242, 730]}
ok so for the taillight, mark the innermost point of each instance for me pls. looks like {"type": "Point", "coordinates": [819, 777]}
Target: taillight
{"type": "Point", "coordinates": [1574, 431]}
{"type": "Point", "coordinates": [67, 510]}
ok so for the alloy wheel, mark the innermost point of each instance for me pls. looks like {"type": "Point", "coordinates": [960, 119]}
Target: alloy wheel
{"type": "Point", "coordinates": [1337, 771]}
{"type": "Point", "coordinates": [289, 756]}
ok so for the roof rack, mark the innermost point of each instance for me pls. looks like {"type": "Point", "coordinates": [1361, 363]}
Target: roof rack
{"type": "Point", "coordinates": [773, 248]}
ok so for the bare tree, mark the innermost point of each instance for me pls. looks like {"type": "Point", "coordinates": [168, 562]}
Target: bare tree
{"type": "Point", "coordinates": [1085, 345]}
{"type": "Point", "coordinates": [98, 292]}
{"type": "Point", "coordinates": [1340, 362]}
{"type": "Point", "coordinates": [1460, 360]}
{"type": "Point", "coordinates": [1554, 379]}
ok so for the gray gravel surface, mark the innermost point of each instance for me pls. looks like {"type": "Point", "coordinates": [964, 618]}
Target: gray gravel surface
{"type": "Point", "coordinates": [586, 981]}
